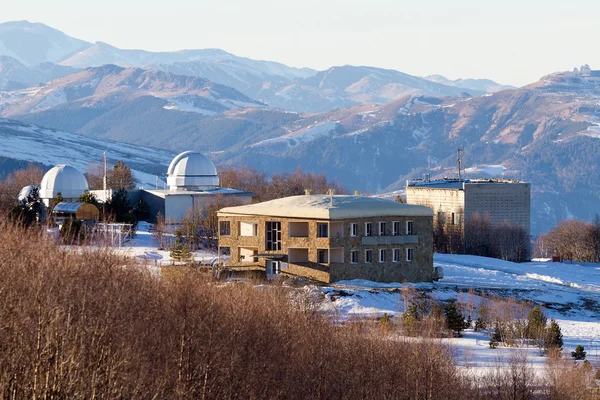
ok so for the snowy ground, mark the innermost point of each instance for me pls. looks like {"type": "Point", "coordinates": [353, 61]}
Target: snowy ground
{"type": "Point", "coordinates": [144, 248]}
{"type": "Point", "coordinates": [570, 293]}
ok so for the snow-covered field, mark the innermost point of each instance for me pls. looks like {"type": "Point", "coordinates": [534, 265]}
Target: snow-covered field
{"type": "Point", "coordinates": [569, 293]}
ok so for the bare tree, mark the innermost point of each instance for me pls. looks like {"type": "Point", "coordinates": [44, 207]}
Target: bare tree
{"type": "Point", "coordinates": [121, 177]}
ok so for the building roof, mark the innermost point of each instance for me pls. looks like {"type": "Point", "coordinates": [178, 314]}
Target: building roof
{"type": "Point", "coordinates": [65, 207]}
{"type": "Point", "coordinates": [322, 207]}
{"type": "Point", "coordinates": [455, 184]}
{"type": "Point", "coordinates": [209, 192]}
{"type": "Point", "coordinates": [191, 170]}
{"type": "Point", "coordinates": [63, 179]}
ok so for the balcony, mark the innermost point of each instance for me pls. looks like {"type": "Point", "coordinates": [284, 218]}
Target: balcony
{"type": "Point", "coordinates": [387, 240]}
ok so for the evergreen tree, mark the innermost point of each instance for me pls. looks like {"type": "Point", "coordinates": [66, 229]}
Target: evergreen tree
{"type": "Point", "coordinates": [30, 209]}
{"type": "Point", "coordinates": [120, 207]}
{"type": "Point", "coordinates": [180, 250]}
{"type": "Point", "coordinates": [496, 337]}
{"type": "Point", "coordinates": [536, 322]}
{"type": "Point", "coordinates": [141, 211]}
{"type": "Point", "coordinates": [88, 197]}
{"type": "Point", "coordinates": [410, 320]}
{"type": "Point", "coordinates": [56, 200]}
{"type": "Point", "coordinates": [579, 353]}
{"type": "Point", "coordinates": [553, 339]}
{"type": "Point", "coordinates": [455, 321]}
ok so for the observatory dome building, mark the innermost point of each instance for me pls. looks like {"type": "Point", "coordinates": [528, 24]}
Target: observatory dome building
{"type": "Point", "coordinates": [192, 171]}
{"type": "Point", "coordinates": [63, 179]}
{"type": "Point", "coordinates": [192, 187]}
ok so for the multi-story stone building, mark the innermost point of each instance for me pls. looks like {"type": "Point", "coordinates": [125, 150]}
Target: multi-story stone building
{"type": "Point", "coordinates": [453, 201]}
{"type": "Point", "coordinates": [331, 238]}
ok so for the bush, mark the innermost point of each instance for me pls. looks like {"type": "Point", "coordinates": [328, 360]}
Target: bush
{"type": "Point", "coordinates": [579, 353]}
{"type": "Point", "coordinates": [455, 321]}
{"type": "Point", "coordinates": [385, 323]}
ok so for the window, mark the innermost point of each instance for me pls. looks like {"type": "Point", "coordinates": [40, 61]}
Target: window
{"type": "Point", "coordinates": [368, 229]}
{"type": "Point", "coordinates": [322, 255]}
{"type": "Point", "coordinates": [322, 230]}
{"type": "Point", "coordinates": [396, 228]}
{"type": "Point", "coordinates": [248, 229]}
{"type": "Point", "coordinates": [273, 235]}
{"type": "Point", "coordinates": [409, 255]}
{"type": "Point", "coordinates": [381, 255]}
{"type": "Point", "coordinates": [382, 229]}
{"type": "Point", "coordinates": [353, 229]}
{"type": "Point", "coordinates": [395, 255]}
{"type": "Point", "coordinates": [225, 228]}
{"type": "Point", "coordinates": [368, 256]}
{"type": "Point", "coordinates": [354, 257]}
{"type": "Point", "coordinates": [409, 227]}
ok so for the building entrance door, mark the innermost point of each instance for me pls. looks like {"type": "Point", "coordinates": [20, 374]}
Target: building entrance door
{"type": "Point", "coordinates": [273, 269]}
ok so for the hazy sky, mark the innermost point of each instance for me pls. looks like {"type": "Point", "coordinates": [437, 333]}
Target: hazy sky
{"type": "Point", "coordinates": [513, 42]}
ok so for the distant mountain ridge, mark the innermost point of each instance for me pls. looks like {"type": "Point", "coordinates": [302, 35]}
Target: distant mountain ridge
{"type": "Point", "coordinates": [35, 43]}
{"type": "Point", "coordinates": [278, 85]}
{"type": "Point", "coordinates": [479, 85]}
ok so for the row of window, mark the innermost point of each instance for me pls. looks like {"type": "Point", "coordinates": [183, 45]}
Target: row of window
{"type": "Point", "coordinates": [382, 228]}
{"type": "Point", "coordinates": [251, 229]}
{"type": "Point", "coordinates": [382, 255]}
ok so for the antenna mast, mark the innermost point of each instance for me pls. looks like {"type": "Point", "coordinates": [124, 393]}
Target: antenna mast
{"type": "Point", "coordinates": [459, 160]}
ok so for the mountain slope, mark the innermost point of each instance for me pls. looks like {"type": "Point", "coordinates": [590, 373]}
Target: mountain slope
{"type": "Point", "coordinates": [547, 133]}
{"type": "Point", "coordinates": [35, 43]}
{"type": "Point", "coordinates": [109, 86]}
{"type": "Point", "coordinates": [15, 75]}
{"type": "Point", "coordinates": [49, 147]}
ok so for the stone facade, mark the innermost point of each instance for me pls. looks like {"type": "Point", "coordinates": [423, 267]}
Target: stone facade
{"type": "Point", "coordinates": [299, 256]}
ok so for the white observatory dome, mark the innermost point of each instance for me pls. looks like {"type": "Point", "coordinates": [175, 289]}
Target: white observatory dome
{"type": "Point", "coordinates": [192, 171]}
{"type": "Point", "coordinates": [65, 180]}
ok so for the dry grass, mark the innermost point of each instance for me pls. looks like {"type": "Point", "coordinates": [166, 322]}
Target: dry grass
{"type": "Point", "coordinates": [89, 324]}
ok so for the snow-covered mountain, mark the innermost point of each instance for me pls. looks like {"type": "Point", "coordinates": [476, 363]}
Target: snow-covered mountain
{"type": "Point", "coordinates": [480, 85]}
{"type": "Point", "coordinates": [276, 84]}
{"type": "Point", "coordinates": [108, 86]}
{"type": "Point", "coordinates": [35, 43]}
{"type": "Point", "coordinates": [49, 147]}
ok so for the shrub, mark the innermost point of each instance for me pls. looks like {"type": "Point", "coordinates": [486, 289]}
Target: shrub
{"type": "Point", "coordinates": [579, 353]}
{"type": "Point", "coordinates": [455, 321]}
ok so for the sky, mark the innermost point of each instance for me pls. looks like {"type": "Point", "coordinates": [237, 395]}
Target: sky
{"type": "Point", "coordinates": [509, 41]}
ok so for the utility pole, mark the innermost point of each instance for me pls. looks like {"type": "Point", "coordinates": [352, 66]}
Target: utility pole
{"type": "Point", "coordinates": [459, 160]}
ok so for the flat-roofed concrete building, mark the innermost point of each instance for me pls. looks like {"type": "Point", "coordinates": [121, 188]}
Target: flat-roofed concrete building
{"type": "Point", "coordinates": [331, 238]}
{"type": "Point", "coordinates": [458, 200]}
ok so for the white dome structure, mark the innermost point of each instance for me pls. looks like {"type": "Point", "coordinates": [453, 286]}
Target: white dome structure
{"type": "Point", "coordinates": [192, 171]}
{"type": "Point", "coordinates": [65, 180]}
